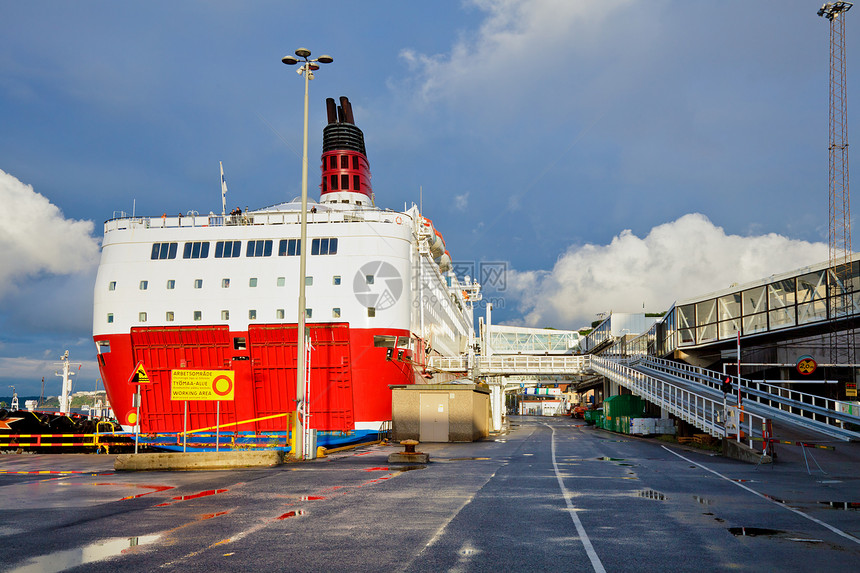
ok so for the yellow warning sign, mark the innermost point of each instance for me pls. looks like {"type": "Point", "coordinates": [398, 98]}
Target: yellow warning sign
{"type": "Point", "coordinates": [202, 384]}
{"type": "Point", "coordinates": [806, 365]}
{"type": "Point", "coordinates": [851, 389]}
{"type": "Point", "coordinates": [139, 376]}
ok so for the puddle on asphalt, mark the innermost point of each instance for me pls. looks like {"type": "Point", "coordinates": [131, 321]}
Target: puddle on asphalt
{"type": "Point", "coordinates": [848, 505]}
{"type": "Point", "coordinates": [765, 532]}
{"type": "Point", "coordinates": [651, 494]}
{"type": "Point", "coordinates": [605, 459]}
{"type": "Point", "coordinates": [841, 505]}
{"type": "Point", "coordinates": [62, 560]}
{"type": "Point", "coordinates": [754, 531]}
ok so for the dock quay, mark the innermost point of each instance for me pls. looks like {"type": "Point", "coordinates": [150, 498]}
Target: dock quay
{"type": "Point", "coordinates": [547, 493]}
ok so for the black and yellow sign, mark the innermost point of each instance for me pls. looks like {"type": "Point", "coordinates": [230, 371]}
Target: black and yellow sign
{"type": "Point", "coordinates": [806, 365]}
{"type": "Point", "coordinates": [851, 388]}
{"type": "Point", "coordinates": [202, 384]}
{"type": "Point", "coordinates": [139, 376]}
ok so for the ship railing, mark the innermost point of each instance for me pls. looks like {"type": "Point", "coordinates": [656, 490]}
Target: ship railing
{"type": "Point", "coordinates": [258, 218]}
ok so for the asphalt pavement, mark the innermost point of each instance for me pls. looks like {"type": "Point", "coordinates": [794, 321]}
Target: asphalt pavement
{"type": "Point", "coordinates": [548, 494]}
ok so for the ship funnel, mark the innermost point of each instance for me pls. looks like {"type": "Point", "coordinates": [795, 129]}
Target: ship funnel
{"type": "Point", "coordinates": [345, 169]}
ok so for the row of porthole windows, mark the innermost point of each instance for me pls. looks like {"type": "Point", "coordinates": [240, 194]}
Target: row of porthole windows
{"type": "Point", "coordinates": [197, 315]}
{"type": "Point", "coordinates": [232, 249]}
{"type": "Point", "coordinates": [225, 283]}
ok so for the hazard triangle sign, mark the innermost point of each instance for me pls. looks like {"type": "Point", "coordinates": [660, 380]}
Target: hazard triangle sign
{"type": "Point", "coordinates": [139, 376]}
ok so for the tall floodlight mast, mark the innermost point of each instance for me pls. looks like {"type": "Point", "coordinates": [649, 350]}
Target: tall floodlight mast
{"type": "Point", "coordinates": [839, 236]}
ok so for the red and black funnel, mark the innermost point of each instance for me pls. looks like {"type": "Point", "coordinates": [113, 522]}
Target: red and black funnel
{"type": "Point", "coordinates": [345, 169]}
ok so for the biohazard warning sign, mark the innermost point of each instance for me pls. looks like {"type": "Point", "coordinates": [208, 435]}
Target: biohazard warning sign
{"type": "Point", "coordinates": [202, 384]}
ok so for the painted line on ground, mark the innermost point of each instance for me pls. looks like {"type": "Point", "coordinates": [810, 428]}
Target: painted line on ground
{"type": "Point", "coordinates": [583, 536]}
{"type": "Point", "coordinates": [835, 530]}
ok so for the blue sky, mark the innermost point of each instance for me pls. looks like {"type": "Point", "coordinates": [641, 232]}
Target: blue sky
{"type": "Point", "coordinates": [611, 154]}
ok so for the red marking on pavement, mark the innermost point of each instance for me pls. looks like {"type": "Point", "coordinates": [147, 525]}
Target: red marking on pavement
{"type": "Point", "coordinates": [294, 513]}
{"type": "Point", "coordinates": [379, 469]}
{"type": "Point", "coordinates": [206, 493]}
{"type": "Point", "coordinates": [312, 497]}
{"type": "Point", "coordinates": [154, 488]}
{"type": "Point", "coordinates": [211, 515]}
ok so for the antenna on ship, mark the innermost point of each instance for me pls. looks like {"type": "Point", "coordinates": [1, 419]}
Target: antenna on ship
{"type": "Point", "coordinates": [223, 191]}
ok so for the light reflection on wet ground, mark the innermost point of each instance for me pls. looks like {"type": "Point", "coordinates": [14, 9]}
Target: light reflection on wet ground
{"type": "Point", "coordinates": [62, 560]}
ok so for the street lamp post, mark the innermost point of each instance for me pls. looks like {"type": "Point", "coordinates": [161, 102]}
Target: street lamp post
{"type": "Point", "coordinates": [307, 69]}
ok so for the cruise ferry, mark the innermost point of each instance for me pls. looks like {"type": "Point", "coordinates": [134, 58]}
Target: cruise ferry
{"type": "Point", "coordinates": [220, 292]}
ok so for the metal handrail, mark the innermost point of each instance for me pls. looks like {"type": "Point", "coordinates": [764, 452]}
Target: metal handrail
{"type": "Point", "coordinates": [818, 409]}
{"type": "Point", "coordinates": [701, 411]}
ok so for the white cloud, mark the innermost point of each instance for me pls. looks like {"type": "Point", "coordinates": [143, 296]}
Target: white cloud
{"type": "Point", "coordinates": [37, 239]}
{"type": "Point", "coordinates": [680, 259]}
{"type": "Point", "coordinates": [519, 42]}
{"type": "Point", "coordinates": [461, 202]}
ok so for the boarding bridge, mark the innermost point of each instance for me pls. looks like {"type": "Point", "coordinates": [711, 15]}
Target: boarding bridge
{"type": "Point", "coordinates": [690, 393]}
{"type": "Point", "coordinates": [513, 365]}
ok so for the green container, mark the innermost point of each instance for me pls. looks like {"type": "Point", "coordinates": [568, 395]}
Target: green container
{"type": "Point", "coordinates": [591, 416]}
{"type": "Point", "coordinates": [624, 405]}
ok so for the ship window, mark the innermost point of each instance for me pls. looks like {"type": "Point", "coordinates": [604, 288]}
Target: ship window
{"type": "Point", "coordinates": [103, 346]}
{"type": "Point", "coordinates": [110, 317]}
{"type": "Point", "coordinates": [198, 315]}
{"type": "Point", "coordinates": [196, 250]}
{"type": "Point", "coordinates": [282, 281]}
{"type": "Point", "coordinates": [227, 249]}
{"type": "Point", "coordinates": [198, 283]}
{"type": "Point", "coordinates": [344, 181]}
{"type": "Point", "coordinates": [309, 312]}
{"type": "Point", "coordinates": [344, 161]}
{"type": "Point", "coordinates": [144, 285]}
{"type": "Point", "coordinates": [168, 316]}
{"type": "Point", "coordinates": [309, 281]}
{"type": "Point", "coordinates": [335, 312]}
{"type": "Point", "coordinates": [259, 248]}
{"type": "Point", "coordinates": [344, 200]}
{"type": "Point", "coordinates": [112, 285]}
{"type": "Point", "coordinates": [279, 313]}
{"type": "Point", "coordinates": [163, 251]}
{"type": "Point", "coordinates": [369, 279]}
{"type": "Point", "coordinates": [371, 311]}
{"type": "Point", "coordinates": [239, 343]}
{"type": "Point", "coordinates": [252, 282]}
{"type": "Point", "coordinates": [324, 246]}
{"type": "Point", "coordinates": [335, 280]}
{"type": "Point", "coordinates": [141, 317]}
{"type": "Point", "coordinates": [355, 161]}
{"type": "Point", "coordinates": [252, 315]}
{"type": "Point", "coordinates": [225, 283]}
{"type": "Point", "coordinates": [356, 183]}
{"type": "Point", "coordinates": [171, 284]}
{"type": "Point", "coordinates": [225, 315]}
{"type": "Point", "coordinates": [385, 341]}
{"type": "Point", "coordinates": [289, 247]}
{"type": "Point", "coordinates": [332, 162]}
{"type": "Point", "coordinates": [333, 182]}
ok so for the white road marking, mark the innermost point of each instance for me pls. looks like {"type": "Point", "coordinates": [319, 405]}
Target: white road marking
{"type": "Point", "coordinates": [782, 505]}
{"type": "Point", "coordinates": [586, 542]}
